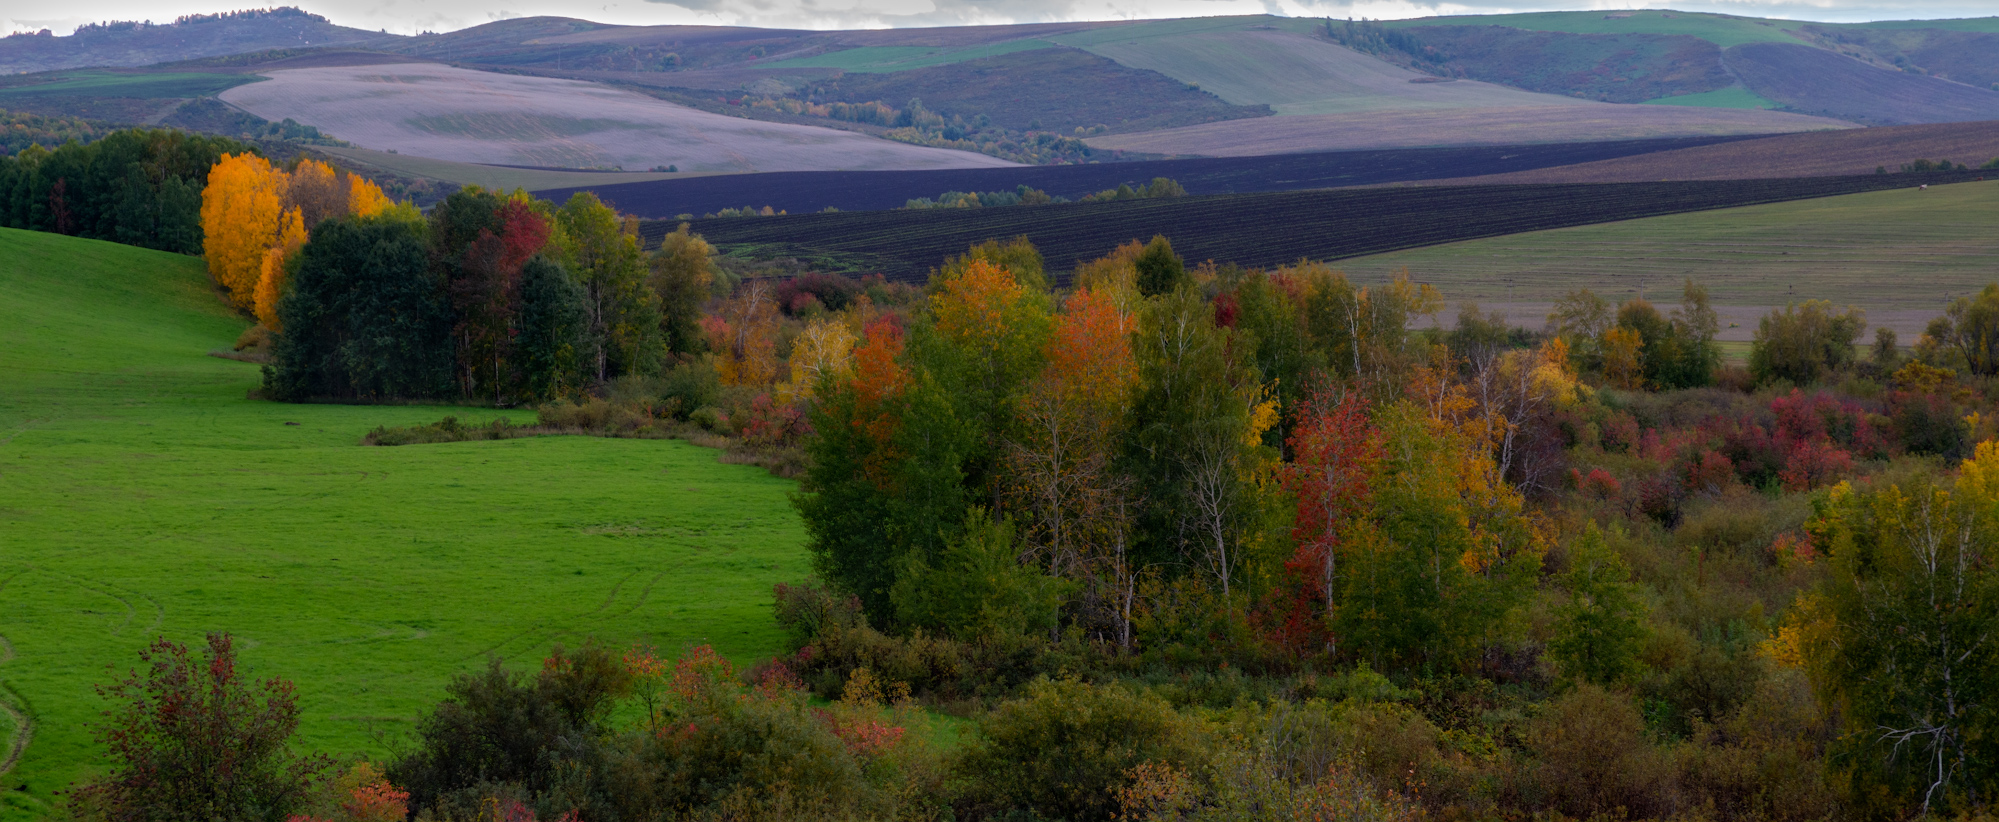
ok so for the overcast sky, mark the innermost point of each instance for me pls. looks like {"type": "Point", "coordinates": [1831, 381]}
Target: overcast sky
{"type": "Point", "coordinates": [412, 16]}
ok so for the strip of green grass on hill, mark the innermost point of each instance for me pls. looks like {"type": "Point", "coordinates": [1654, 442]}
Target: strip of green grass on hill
{"type": "Point", "coordinates": [117, 84]}
{"type": "Point", "coordinates": [143, 495]}
{"type": "Point", "coordinates": [877, 59]}
{"type": "Point", "coordinates": [1731, 97]}
{"type": "Point", "coordinates": [1900, 249]}
{"type": "Point", "coordinates": [1722, 30]}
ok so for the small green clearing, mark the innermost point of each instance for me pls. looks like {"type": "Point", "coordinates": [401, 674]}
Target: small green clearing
{"type": "Point", "coordinates": [119, 84]}
{"type": "Point", "coordinates": [141, 494]}
{"type": "Point", "coordinates": [1722, 30]}
{"type": "Point", "coordinates": [1731, 97]}
{"type": "Point", "coordinates": [877, 59]}
{"type": "Point", "coordinates": [1895, 250]}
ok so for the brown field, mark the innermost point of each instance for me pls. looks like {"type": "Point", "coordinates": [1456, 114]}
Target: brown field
{"type": "Point", "coordinates": [1460, 127]}
{"type": "Point", "coordinates": [1813, 154]}
{"type": "Point", "coordinates": [484, 117]}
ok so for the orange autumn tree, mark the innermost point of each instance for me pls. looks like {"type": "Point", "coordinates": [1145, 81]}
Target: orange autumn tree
{"type": "Point", "coordinates": [1060, 462]}
{"type": "Point", "coordinates": [271, 277]}
{"type": "Point", "coordinates": [241, 212]}
{"type": "Point", "coordinates": [744, 337]}
{"type": "Point", "coordinates": [254, 216]}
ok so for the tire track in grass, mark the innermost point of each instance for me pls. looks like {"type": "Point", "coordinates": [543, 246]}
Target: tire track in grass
{"type": "Point", "coordinates": [533, 629]}
{"type": "Point", "coordinates": [24, 722]}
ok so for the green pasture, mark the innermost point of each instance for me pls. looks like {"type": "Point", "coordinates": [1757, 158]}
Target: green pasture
{"type": "Point", "coordinates": [1722, 30]}
{"type": "Point", "coordinates": [1895, 250]}
{"type": "Point", "coordinates": [114, 84]}
{"type": "Point", "coordinates": [1155, 29]}
{"type": "Point", "coordinates": [1731, 97]}
{"type": "Point", "coordinates": [878, 59]}
{"type": "Point", "coordinates": [143, 495]}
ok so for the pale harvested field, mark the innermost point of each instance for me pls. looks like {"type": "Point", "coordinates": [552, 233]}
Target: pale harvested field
{"type": "Point", "coordinates": [1459, 127]}
{"type": "Point", "coordinates": [1300, 75]}
{"type": "Point", "coordinates": [1819, 154]}
{"type": "Point", "coordinates": [1901, 250]}
{"type": "Point", "coordinates": [483, 117]}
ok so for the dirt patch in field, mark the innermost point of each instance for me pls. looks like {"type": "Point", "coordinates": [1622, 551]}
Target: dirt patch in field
{"type": "Point", "coordinates": [1460, 127]}
{"type": "Point", "coordinates": [484, 117]}
{"type": "Point", "coordinates": [1814, 154]}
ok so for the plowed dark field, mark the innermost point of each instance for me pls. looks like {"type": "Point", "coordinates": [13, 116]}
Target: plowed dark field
{"type": "Point", "coordinates": [802, 192]}
{"type": "Point", "coordinates": [1248, 229]}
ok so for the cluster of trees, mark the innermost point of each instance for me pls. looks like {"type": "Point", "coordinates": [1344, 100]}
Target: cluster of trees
{"type": "Point", "coordinates": [18, 130]}
{"type": "Point", "coordinates": [913, 123]}
{"type": "Point", "coordinates": [1023, 195]}
{"type": "Point", "coordinates": [1635, 346]}
{"type": "Point", "coordinates": [138, 187]}
{"type": "Point", "coordinates": [255, 216]}
{"type": "Point", "coordinates": [1160, 187]}
{"type": "Point", "coordinates": [491, 297]}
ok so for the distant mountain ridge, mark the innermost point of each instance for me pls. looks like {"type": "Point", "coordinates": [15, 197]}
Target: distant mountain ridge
{"type": "Point", "coordinates": [134, 43]}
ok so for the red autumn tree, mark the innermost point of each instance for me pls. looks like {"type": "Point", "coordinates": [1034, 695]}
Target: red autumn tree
{"type": "Point", "coordinates": [1335, 449]}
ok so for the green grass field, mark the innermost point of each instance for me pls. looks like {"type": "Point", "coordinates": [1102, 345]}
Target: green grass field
{"type": "Point", "coordinates": [117, 84]}
{"type": "Point", "coordinates": [1901, 249]}
{"type": "Point", "coordinates": [877, 59]}
{"type": "Point", "coordinates": [1731, 97]}
{"type": "Point", "coordinates": [141, 494]}
{"type": "Point", "coordinates": [1722, 30]}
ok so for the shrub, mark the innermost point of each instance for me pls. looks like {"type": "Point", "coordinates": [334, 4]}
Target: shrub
{"type": "Point", "coordinates": [502, 728]}
{"type": "Point", "coordinates": [1801, 343]}
{"type": "Point", "coordinates": [448, 429]}
{"type": "Point", "coordinates": [1592, 759]}
{"type": "Point", "coordinates": [1064, 749]}
{"type": "Point", "coordinates": [195, 740]}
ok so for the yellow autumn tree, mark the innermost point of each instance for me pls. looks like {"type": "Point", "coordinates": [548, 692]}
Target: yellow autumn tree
{"type": "Point", "coordinates": [824, 348]}
{"type": "Point", "coordinates": [365, 199]}
{"type": "Point", "coordinates": [317, 192]}
{"type": "Point", "coordinates": [241, 209]}
{"type": "Point", "coordinates": [271, 280]}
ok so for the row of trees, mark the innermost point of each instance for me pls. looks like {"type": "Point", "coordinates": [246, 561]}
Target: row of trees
{"type": "Point", "coordinates": [140, 187]}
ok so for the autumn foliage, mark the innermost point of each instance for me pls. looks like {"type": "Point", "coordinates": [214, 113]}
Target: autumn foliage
{"type": "Point", "coordinates": [255, 215]}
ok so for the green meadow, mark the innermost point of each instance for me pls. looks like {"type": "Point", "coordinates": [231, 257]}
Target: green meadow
{"type": "Point", "coordinates": [878, 59]}
{"type": "Point", "coordinates": [162, 85]}
{"type": "Point", "coordinates": [142, 494]}
{"type": "Point", "coordinates": [1721, 29]}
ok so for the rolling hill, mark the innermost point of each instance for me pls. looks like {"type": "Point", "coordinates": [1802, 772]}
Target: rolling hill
{"type": "Point", "coordinates": [484, 117]}
{"type": "Point", "coordinates": [1807, 79]}
{"type": "Point", "coordinates": [187, 38]}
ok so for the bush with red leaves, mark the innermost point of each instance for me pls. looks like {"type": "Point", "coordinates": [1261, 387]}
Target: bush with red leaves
{"type": "Point", "coordinates": [196, 739]}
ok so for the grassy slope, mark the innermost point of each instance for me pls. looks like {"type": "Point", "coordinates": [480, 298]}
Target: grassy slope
{"type": "Point", "coordinates": [141, 494]}
{"type": "Point", "coordinates": [1722, 30]}
{"type": "Point", "coordinates": [115, 84]}
{"type": "Point", "coordinates": [1901, 249]}
{"type": "Point", "coordinates": [1731, 97]}
{"type": "Point", "coordinates": [1300, 75]}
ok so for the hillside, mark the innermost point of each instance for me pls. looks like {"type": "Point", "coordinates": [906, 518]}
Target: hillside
{"type": "Point", "coordinates": [1462, 127]}
{"type": "Point", "coordinates": [484, 117]}
{"type": "Point", "coordinates": [1820, 82]}
{"type": "Point", "coordinates": [1814, 154]}
{"type": "Point", "coordinates": [1247, 229]}
{"type": "Point", "coordinates": [1900, 250]}
{"type": "Point", "coordinates": [187, 38]}
{"type": "Point", "coordinates": [366, 575]}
